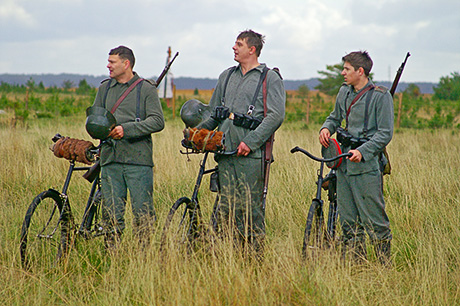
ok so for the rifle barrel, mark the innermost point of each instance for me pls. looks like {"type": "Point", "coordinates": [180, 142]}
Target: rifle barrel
{"type": "Point", "coordinates": [398, 75]}
{"type": "Point", "coordinates": [165, 70]}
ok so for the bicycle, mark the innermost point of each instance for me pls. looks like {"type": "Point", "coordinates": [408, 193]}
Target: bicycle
{"type": "Point", "coordinates": [316, 236]}
{"type": "Point", "coordinates": [46, 234]}
{"type": "Point", "coordinates": [189, 222]}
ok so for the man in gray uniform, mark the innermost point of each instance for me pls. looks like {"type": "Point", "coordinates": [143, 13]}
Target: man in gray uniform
{"type": "Point", "coordinates": [368, 114]}
{"type": "Point", "coordinates": [240, 91]}
{"type": "Point", "coordinates": [126, 159]}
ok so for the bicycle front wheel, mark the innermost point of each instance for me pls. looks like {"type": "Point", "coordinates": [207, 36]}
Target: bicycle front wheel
{"type": "Point", "coordinates": [45, 233]}
{"type": "Point", "coordinates": [314, 237]}
{"type": "Point", "coordinates": [181, 227]}
{"type": "Point", "coordinates": [91, 225]}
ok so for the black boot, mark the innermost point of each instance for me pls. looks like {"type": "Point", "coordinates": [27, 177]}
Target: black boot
{"type": "Point", "coordinates": [383, 252]}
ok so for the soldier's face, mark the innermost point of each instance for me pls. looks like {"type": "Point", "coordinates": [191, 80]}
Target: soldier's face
{"type": "Point", "coordinates": [242, 51]}
{"type": "Point", "coordinates": [350, 75]}
{"type": "Point", "coordinates": [117, 66]}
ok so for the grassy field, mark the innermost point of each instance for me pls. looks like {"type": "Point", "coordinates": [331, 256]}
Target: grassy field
{"type": "Point", "coordinates": [423, 203]}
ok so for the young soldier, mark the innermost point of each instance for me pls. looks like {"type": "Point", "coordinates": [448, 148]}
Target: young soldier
{"type": "Point", "coordinates": [241, 176]}
{"type": "Point", "coordinates": [368, 114]}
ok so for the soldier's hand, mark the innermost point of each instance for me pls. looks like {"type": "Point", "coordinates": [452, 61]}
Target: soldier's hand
{"type": "Point", "coordinates": [356, 157]}
{"type": "Point", "coordinates": [324, 135]}
{"type": "Point", "coordinates": [117, 132]}
{"type": "Point", "coordinates": [243, 149]}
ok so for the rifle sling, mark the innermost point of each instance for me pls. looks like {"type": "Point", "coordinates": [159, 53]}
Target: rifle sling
{"type": "Point", "coordinates": [123, 96]}
{"type": "Point", "coordinates": [356, 99]}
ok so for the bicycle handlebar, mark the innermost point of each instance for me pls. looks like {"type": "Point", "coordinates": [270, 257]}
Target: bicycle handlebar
{"type": "Point", "coordinates": [326, 160]}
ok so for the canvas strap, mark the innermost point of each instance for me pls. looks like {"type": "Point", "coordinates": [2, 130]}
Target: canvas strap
{"type": "Point", "coordinates": [356, 99]}
{"type": "Point", "coordinates": [268, 148]}
{"type": "Point", "coordinates": [126, 93]}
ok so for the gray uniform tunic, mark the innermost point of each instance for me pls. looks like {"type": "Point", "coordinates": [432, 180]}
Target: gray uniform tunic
{"type": "Point", "coordinates": [242, 178]}
{"type": "Point", "coordinates": [127, 163]}
{"type": "Point", "coordinates": [359, 185]}
{"type": "Point", "coordinates": [135, 147]}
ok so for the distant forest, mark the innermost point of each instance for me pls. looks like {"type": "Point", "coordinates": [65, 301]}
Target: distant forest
{"type": "Point", "coordinates": [181, 82]}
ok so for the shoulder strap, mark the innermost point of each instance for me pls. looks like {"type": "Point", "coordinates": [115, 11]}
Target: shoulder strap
{"type": "Point", "coordinates": [366, 111]}
{"type": "Point", "coordinates": [269, 144]}
{"type": "Point", "coordinates": [106, 92]}
{"type": "Point", "coordinates": [127, 91]}
{"type": "Point", "coordinates": [232, 69]}
{"type": "Point", "coordinates": [263, 77]}
{"type": "Point", "coordinates": [268, 147]}
{"type": "Point", "coordinates": [356, 99]}
{"type": "Point", "coordinates": [138, 105]}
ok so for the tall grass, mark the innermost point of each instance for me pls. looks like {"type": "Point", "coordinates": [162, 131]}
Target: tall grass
{"type": "Point", "coordinates": [422, 197]}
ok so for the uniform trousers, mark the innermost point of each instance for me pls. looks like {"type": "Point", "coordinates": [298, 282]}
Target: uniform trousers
{"type": "Point", "coordinates": [361, 207]}
{"type": "Point", "coordinates": [241, 182]}
{"type": "Point", "coordinates": [116, 180]}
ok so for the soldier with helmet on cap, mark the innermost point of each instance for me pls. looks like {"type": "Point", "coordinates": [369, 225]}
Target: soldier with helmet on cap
{"type": "Point", "coordinates": [126, 156]}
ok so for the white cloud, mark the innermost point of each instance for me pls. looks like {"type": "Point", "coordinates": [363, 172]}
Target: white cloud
{"type": "Point", "coordinates": [302, 36]}
{"type": "Point", "coordinates": [12, 12]}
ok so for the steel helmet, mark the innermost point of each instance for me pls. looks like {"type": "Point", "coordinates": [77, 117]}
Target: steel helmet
{"type": "Point", "coordinates": [99, 122]}
{"type": "Point", "coordinates": [193, 112]}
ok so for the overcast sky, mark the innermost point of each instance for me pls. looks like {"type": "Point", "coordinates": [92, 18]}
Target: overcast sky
{"type": "Point", "coordinates": [302, 36]}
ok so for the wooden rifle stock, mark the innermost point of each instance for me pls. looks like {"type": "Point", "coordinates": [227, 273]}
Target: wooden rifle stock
{"type": "Point", "coordinates": [398, 75]}
{"type": "Point", "coordinates": [163, 73]}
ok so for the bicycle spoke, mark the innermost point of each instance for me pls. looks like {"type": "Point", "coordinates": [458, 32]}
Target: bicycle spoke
{"type": "Point", "coordinates": [181, 226]}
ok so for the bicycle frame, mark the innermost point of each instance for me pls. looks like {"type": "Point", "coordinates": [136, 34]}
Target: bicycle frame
{"type": "Point", "coordinates": [192, 212]}
{"type": "Point", "coordinates": [194, 199]}
{"type": "Point", "coordinates": [202, 171]}
{"type": "Point", "coordinates": [317, 202]}
{"type": "Point", "coordinates": [83, 228]}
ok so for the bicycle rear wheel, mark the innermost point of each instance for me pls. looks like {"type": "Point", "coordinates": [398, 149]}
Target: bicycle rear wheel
{"type": "Point", "coordinates": [45, 233]}
{"type": "Point", "coordinates": [181, 227]}
{"type": "Point", "coordinates": [314, 237]}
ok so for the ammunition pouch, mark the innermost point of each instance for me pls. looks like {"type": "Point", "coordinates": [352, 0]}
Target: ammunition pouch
{"type": "Point", "coordinates": [246, 121]}
{"type": "Point", "coordinates": [220, 113]}
{"type": "Point", "coordinates": [348, 140]}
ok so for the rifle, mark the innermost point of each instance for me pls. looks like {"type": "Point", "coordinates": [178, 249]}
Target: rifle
{"type": "Point", "coordinates": [398, 75]}
{"type": "Point", "coordinates": [387, 167]}
{"type": "Point", "coordinates": [93, 172]}
{"type": "Point", "coordinates": [168, 65]}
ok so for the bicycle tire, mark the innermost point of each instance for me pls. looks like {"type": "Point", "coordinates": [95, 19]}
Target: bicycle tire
{"type": "Point", "coordinates": [214, 222]}
{"type": "Point", "coordinates": [45, 232]}
{"type": "Point", "coordinates": [332, 221]}
{"type": "Point", "coordinates": [181, 227]}
{"type": "Point", "coordinates": [314, 236]}
{"type": "Point", "coordinates": [91, 226]}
